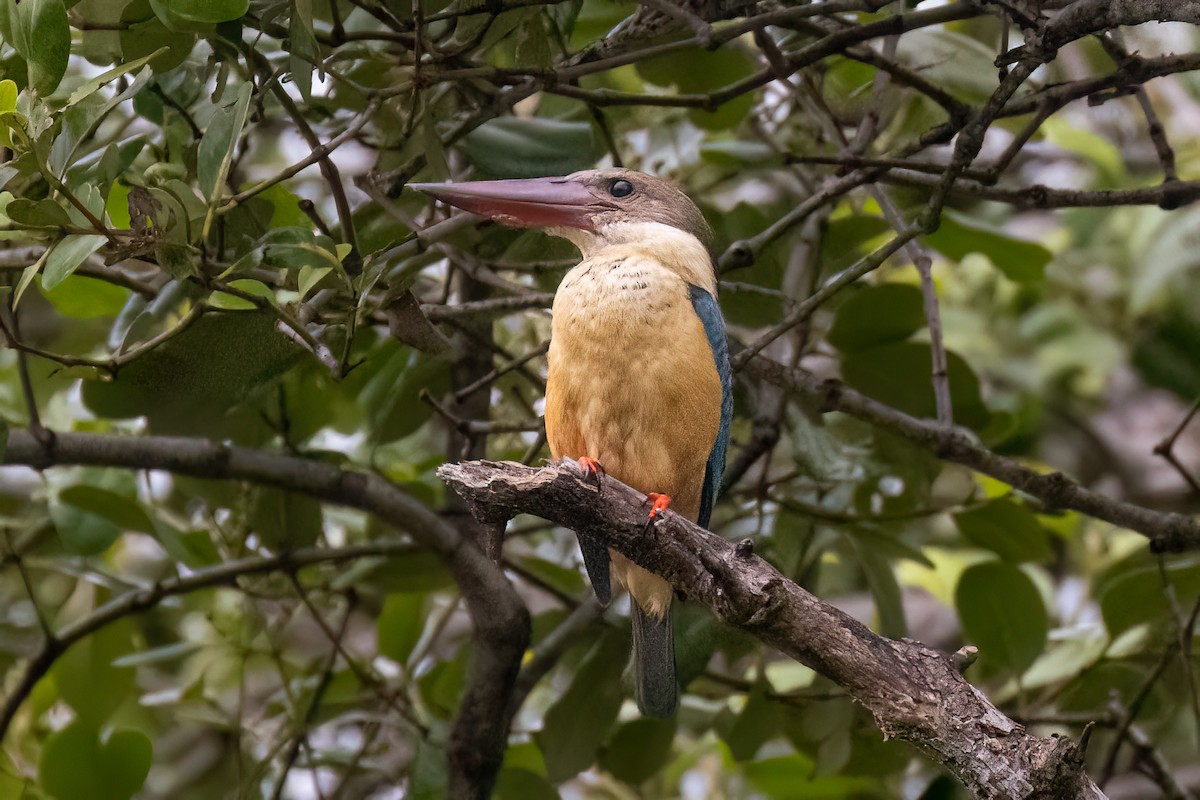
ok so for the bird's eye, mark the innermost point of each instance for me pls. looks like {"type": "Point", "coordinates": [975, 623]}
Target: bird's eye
{"type": "Point", "coordinates": [620, 188]}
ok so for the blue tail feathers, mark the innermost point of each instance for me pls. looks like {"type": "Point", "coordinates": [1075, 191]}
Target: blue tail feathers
{"type": "Point", "coordinates": [654, 663]}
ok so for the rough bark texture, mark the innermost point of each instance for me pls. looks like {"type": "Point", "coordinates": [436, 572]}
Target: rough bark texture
{"type": "Point", "coordinates": [915, 693]}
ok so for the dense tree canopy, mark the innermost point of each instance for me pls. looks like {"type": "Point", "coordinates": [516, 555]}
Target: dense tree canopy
{"type": "Point", "coordinates": [959, 265]}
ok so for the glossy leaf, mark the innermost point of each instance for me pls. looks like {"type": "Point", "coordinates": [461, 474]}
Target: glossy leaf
{"type": "Point", "coordinates": [595, 695]}
{"type": "Point", "coordinates": [900, 374]}
{"type": "Point", "coordinates": [219, 140]}
{"type": "Point", "coordinates": [785, 777]}
{"type": "Point", "coordinates": [43, 36]}
{"type": "Point", "coordinates": [122, 510]}
{"type": "Point", "coordinates": [1003, 614]}
{"type": "Point", "coordinates": [78, 765]}
{"type": "Point", "coordinates": [399, 625]}
{"type": "Point", "coordinates": [285, 520]}
{"type": "Point", "coordinates": [890, 312]}
{"type": "Point", "coordinates": [529, 148]}
{"type": "Point", "coordinates": [638, 749]}
{"type": "Point", "coordinates": [196, 379]}
{"type": "Point", "coordinates": [521, 784]}
{"type": "Point", "coordinates": [88, 679]}
{"type": "Point", "coordinates": [1007, 528]}
{"type": "Point", "coordinates": [1134, 591]}
{"type": "Point", "coordinates": [1019, 260]}
{"type": "Point", "coordinates": [66, 257]}
{"type": "Point", "coordinates": [209, 10]}
{"type": "Point", "coordinates": [757, 722]}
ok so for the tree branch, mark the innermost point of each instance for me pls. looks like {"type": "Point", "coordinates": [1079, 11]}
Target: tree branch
{"type": "Point", "coordinates": [501, 621]}
{"type": "Point", "coordinates": [1167, 531]}
{"type": "Point", "coordinates": [914, 693]}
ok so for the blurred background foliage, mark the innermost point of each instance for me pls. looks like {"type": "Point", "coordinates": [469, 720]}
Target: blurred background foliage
{"type": "Point", "coordinates": [204, 232]}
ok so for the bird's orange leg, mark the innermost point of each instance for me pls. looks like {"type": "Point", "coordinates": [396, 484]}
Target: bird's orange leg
{"type": "Point", "coordinates": [658, 504]}
{"type": "Point", "coordinates": [592, 471]}
{"type": "Point", "coordinates": [591, 468]}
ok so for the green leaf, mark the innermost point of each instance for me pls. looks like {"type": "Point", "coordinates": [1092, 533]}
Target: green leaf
{"type": "Point", "coordinates": [67, 255]}
{"type": "Point", "coordinates": [521, 784]}
{"type": "Point", "coordinates": [179, 261]}
{"type": "Point", "coordinates": [1002, 613]}
{"type": "Point", "coordinates": [158, 655]}
{"type": "Point", "coordinates": [209, 10]}
{"type": "Point", "coordinates": [217, 145]}
{"type": "Point", "coordinates": [77, 765]}
{"type": "Point", "coordinates": [954, 60]}
{"type": "Point", "coordinates": [1101, 152]}
{"type": "Point", "coordinates": [195, 382]}
{"type": "Point", "coordinates": [1133, 592]}
{"type": "Point", "coordinates": [193, 548]}
{"type": "Point", "coordinates": [899, 374]}
{"type": "Point", "coordinates": [303, 50]}
{"type": "Point", "coordinates": [697, 70]}
{"type": "Point", "coordinates": [122, 510]}
{"type": "Point", "coordinates": [92, 84]}
{"type": "Point", "coordinates": [399, 625]}
{"type": "Point", "coordinates": [43, 36]}
{"type": "Point", "coordinates": [44, 213]}
{"type": "Point", "coordinates": [790, 777]}
{"type": "Point", "coordinates": [309, 277]}
{"type": "Point", "coordinates": [1109, 682]}
{"type": "Point", "coordinates": [8, 96]}
{"type": "Point", "coordinates": [421, 571]}
{"type": "Point", "coordinates": [514, 147]}
{"type": "Point", "coordinates": [566, 580]}
{"type": "Point", "coordinates": [639, 749]}
{"type": "Point", "coordinates": [87, 528]}
{"type": "Point", "coordinates": [427, 774]}
{"type": "Point", "coordinates": [8, 104]}
{"type": "Point", "coordinates": [579, 721]}
{"type": "Point", "coordinates": [754, 726]}
{"type": "Point", "coordinates": [881, 580]}
{"type": "Point", "coordinates": [1019, 260]}
{"type": "Point", "coordinates": [87, 678]}
{"type": "Point", "coordinates": [848, 239]}
{"type": "Point", "coordinates": [390, 397]}
{"type": "Point", "coordinates": [1168, 265]}
{"type": "Point", "coordinates": [1007, 528]}
{"type": "Point", "coordinates": [81, 297]}
{"type": "Point", "coordinates": [877, 315]}
{"type": "Point", "coordinates": [231, 302]}
{"type": "Point", "coordinates": [285, 520]}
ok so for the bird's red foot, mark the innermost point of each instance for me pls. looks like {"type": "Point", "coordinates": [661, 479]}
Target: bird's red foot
{"type": "Point", "coordinates": [591, 468]}
{"type": "Point", "coordinates": [592, 471]}
{"type": "Point", "coordinates": [658, 504]}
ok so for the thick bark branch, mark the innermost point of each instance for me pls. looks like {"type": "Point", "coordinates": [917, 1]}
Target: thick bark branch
{"type": "Point", "coordinates": [915, 693]}
{"type": "Point", "coordinates": [500, 619]}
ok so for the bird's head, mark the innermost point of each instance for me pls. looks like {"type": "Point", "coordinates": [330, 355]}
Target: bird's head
{"type": "Point", "coordinates": [594, 208]}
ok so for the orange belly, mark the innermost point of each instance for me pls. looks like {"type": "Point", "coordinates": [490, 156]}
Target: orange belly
{"type": "Point", "coordinates": [638, 392]}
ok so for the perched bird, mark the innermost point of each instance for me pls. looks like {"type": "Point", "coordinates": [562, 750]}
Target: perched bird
{"type": "Point", "coordinates": [639, 384]}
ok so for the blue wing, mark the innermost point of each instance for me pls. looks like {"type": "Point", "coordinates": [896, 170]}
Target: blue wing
{"type": "Point", "coordinates": [714, 328]}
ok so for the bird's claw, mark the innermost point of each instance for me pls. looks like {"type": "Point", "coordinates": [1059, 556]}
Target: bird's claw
{"type": "Point", "coordinates": [592, 470]}
{"type": "Point", "coordinates": [658, 503]}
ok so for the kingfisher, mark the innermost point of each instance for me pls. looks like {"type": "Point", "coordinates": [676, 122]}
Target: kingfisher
{"type": "Point", "coordinates": [639, 386]}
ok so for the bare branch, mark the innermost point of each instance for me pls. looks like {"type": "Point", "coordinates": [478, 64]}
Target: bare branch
{"type": "Point", "coordinates": [915, 693]}
{"type": "Point", "coordinates": [1167, 531]}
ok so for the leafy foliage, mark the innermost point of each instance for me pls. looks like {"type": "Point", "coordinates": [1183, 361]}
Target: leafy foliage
{"type": "Point", "coordinates": [205, 231]}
